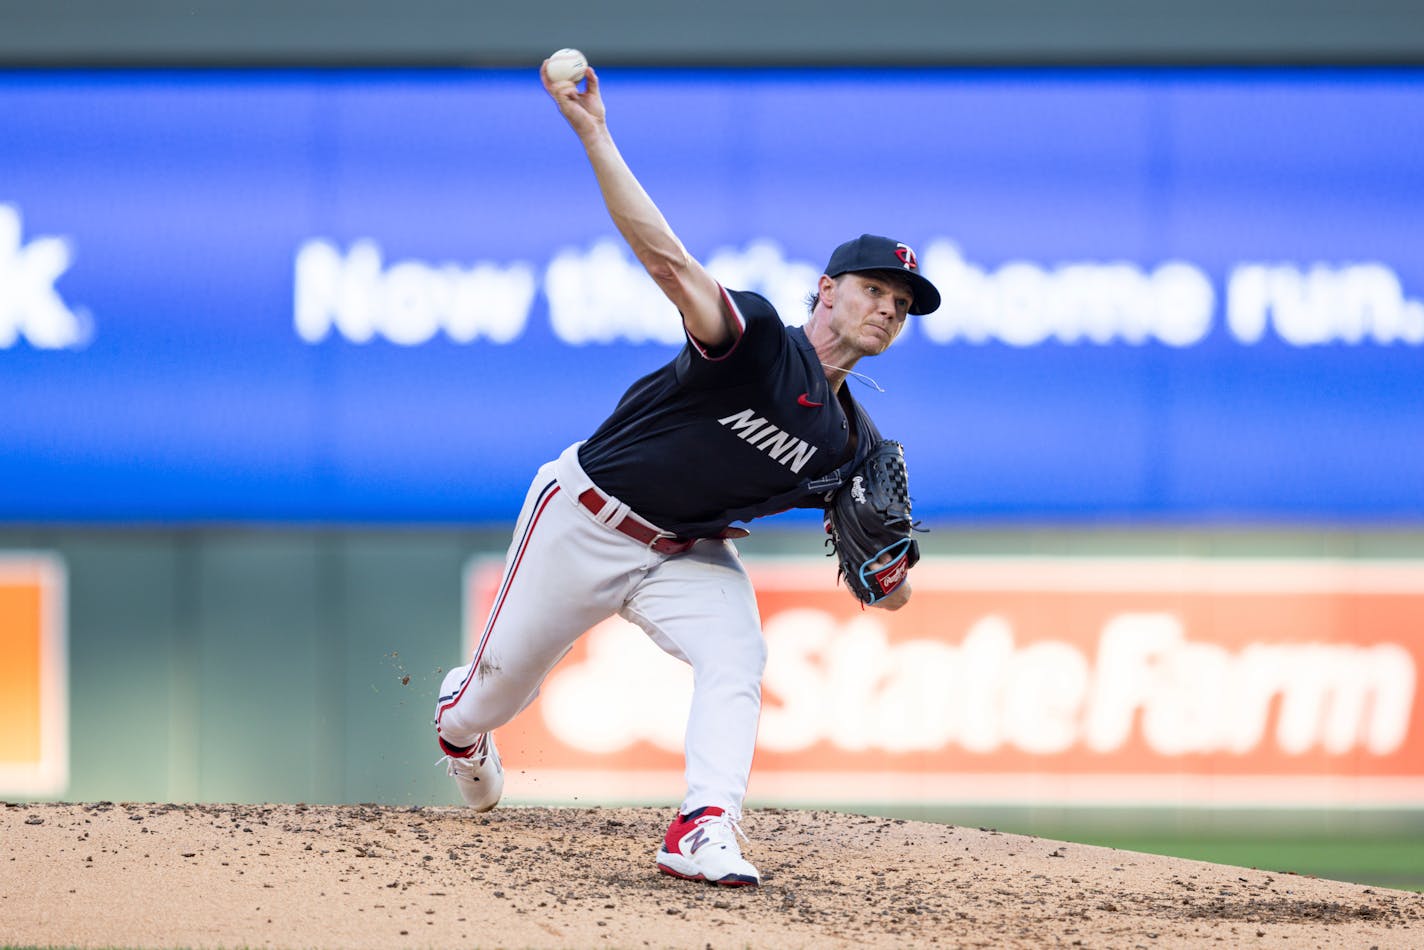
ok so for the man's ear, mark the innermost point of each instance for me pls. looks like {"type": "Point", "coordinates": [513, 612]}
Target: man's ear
{"type": "Point", "coordinates": [826, 288]}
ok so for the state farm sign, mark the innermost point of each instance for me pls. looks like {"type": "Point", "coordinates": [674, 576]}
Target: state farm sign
{"type": "Point", "coordinates": [1026, 680]}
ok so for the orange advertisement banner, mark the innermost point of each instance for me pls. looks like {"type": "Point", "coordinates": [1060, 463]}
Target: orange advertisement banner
{"type": "Point", "coordinates": [34, 758]}
{"type": "Point", "coordinates": [1023, 680]}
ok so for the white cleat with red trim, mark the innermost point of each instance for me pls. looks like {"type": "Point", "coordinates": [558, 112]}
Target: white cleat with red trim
{"type": "Point", "coordinates": [479, 776]}
{"type": "Point", "coordinates": [702, 846]}
{"type": "Point", "coordinates": [476, 768]}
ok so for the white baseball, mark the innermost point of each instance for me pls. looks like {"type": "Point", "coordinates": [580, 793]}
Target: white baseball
{"type": "Point", "coordinates": [567, 65]}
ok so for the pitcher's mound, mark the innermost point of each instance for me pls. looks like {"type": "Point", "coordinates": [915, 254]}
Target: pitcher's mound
{"type": "Point", "coordinates": [136, 875]}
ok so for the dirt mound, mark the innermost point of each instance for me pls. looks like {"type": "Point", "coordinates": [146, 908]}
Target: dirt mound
{"type": "Point", "coordinates": [137, 875]}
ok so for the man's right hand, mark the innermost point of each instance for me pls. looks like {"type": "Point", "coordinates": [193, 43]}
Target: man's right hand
{"type": "Point", "coordinates": [583, 110]}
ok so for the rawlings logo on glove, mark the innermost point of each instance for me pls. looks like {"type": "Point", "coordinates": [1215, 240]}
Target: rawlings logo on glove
{"type": "Point", "coordinates": [870, 527]}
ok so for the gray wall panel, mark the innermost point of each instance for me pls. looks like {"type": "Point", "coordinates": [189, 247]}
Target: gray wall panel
{"type": "Point", "coordinates": [261, 607]}
{"type": "Point", "coordinates": [834, 32]}
{"type": "Point", "coordinates": [128, 718]}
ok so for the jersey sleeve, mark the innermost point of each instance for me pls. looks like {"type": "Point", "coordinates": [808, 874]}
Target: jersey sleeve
{"type": "Point", "coordinates": [756, 348]}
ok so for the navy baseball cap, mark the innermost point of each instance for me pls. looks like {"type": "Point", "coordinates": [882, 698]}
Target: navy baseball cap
{"type": "Point", "coordinates": [873, 252]}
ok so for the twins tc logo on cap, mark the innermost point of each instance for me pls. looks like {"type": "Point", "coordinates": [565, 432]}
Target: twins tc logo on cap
{"type": "Point", "coordinates": [871, 252]}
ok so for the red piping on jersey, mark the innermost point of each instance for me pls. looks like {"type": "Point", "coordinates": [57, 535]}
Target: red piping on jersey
{"type": "Point", "coordinates": [741, 330]}
{"type": "Point", "coordinates": [499, 598]}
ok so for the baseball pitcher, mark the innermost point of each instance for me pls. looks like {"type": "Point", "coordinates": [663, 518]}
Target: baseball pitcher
{"type": "Point", "coordinates": [750, 418]}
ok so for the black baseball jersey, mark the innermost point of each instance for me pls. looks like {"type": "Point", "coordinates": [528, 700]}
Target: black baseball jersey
{"type": "Point", "coordinates": [716, 437]}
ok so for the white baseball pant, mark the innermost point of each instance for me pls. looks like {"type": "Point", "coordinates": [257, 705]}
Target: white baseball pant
{"type": "Point", "coordinates": [566, 570]}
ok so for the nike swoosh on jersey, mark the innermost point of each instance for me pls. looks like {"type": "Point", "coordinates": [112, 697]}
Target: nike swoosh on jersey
{"type": "Point", "coordinates": [805, 400]}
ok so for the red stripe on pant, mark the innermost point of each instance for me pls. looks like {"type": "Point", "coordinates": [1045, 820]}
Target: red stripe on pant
{"type": "Point", "coordinates": [499, 601]}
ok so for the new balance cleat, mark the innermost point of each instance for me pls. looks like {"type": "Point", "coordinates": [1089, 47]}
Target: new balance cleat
{"type": "Point", "coordinates": [702, 846]}
{"type": "Point", "coordinates": [475, 768]}
{"type": "Point", "coordinates": [478, 775]}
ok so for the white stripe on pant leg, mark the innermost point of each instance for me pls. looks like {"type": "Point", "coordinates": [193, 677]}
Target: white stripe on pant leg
{"type": "Point", "coordinates": [700, 608]}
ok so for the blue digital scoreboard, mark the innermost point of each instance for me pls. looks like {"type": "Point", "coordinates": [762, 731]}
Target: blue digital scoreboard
{"type": "Point", "coordinates": [387, 296]}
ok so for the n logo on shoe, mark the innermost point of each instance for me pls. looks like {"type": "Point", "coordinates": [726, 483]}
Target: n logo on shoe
{"type": "Point", "coordinates": [696, 840]}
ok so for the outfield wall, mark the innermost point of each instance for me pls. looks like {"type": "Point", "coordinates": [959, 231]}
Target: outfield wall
{"type": "Point", "coordinates": [253, 665]}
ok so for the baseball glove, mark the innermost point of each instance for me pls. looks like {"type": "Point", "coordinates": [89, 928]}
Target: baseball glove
{"type": "Point", "coordinates": [868, 520]}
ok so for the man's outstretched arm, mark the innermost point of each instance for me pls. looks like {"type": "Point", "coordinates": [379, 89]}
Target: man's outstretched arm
{"type": "Point", "coordinates": [681, 277]}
